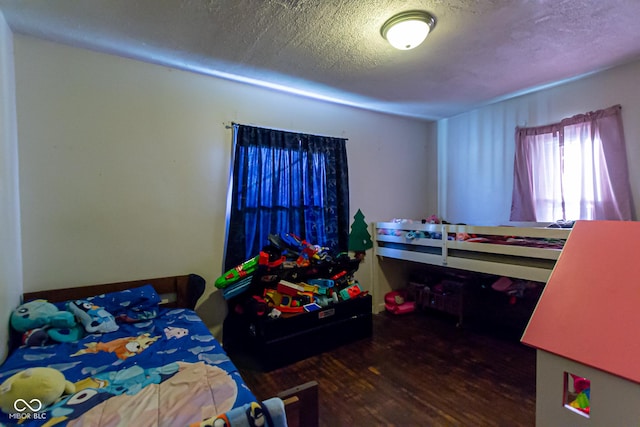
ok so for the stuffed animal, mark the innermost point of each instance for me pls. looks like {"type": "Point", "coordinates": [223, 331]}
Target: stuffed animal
{"type": "Point", "coordinates": [95, 319]}
{"type": "Point", "coordinates": [41, 322]}
{"type": "Point", "coordinates": [33, 390]}
{"type": "Point", "coordinates": [268, 413]}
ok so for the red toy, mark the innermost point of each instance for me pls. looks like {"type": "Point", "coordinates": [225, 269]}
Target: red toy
{"type": "Point", "coordinates": [396, 302]}
{"type": "Point", "coordinates": [350, 292]}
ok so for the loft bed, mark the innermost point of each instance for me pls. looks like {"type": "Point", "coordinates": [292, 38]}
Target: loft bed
{"type": "Point", "coordinates": [526, 253]}
{"type": "Point", "coordinates": [193, 379]}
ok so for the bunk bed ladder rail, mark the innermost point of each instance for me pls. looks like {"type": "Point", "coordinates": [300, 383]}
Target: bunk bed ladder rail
{"type": "Point", "coordinates": [445, 247]}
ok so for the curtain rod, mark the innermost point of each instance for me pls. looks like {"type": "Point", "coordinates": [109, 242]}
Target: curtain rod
{"type": "Point", "coordinates": [283, 130]}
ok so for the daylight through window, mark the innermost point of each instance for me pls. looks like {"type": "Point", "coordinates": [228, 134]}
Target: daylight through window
{"type": "Point", "coordinates": [575, 169]}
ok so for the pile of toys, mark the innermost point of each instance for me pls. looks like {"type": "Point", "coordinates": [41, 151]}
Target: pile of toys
{"type": "Point", "coordinates": [290, 276]}
{"type": "Point", "coordinates": [415, 234]}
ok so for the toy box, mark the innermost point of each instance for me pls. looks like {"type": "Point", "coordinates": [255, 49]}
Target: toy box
{"type": "Point", "coordinates": [265, 344]}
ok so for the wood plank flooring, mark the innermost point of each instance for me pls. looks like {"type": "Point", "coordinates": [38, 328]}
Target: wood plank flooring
{"type": "Point", "coordinates": [417, 370]}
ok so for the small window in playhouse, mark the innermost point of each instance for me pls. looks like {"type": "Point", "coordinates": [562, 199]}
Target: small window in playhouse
{"type": "Point", "coordinates": [577, 394]}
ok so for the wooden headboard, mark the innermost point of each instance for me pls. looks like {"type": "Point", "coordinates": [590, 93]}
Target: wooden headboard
{"type": "Point", "coordinates": [175, 291]}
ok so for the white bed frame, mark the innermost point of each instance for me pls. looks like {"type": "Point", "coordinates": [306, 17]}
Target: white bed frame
{"type": "Point", "coordinates": [529, 263]}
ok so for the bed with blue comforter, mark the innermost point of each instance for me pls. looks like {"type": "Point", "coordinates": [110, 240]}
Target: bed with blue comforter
{"type": "Point", "coordinates": [161, 367]}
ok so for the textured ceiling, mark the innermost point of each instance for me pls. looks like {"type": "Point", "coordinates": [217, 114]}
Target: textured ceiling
{"type": "Point", "coordinates": [480, 50]}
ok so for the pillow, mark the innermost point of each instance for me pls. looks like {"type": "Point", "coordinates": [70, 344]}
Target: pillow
{"type": "Point", "coordinates": [94, 318]}
{"type": "Point", "coordinates": [130, 305]}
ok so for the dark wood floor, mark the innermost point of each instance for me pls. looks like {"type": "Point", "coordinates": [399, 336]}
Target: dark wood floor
{"type": "Point", "coordinates": [417, 370]}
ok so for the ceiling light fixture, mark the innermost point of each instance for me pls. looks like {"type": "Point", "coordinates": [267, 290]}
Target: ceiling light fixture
{"type": "Point", "coordinates": [407, 30]}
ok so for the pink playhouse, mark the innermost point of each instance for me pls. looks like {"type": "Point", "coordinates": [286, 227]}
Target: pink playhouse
{"type": "Point", "coordinates": [586, 330]}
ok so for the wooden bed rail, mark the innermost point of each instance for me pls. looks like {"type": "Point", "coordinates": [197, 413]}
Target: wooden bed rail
{"type": "Point", "coordinates": [301, 405]}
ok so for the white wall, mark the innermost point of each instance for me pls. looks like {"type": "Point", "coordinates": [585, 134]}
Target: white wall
{"type": "Point", "coordinates": [613, 399]}
{"type": "Point", "coordinates": [124, 165]}
{"type": "Point", "coordinates": [476, 149]}
{"type": "Point", "coordinates": [10, 259]}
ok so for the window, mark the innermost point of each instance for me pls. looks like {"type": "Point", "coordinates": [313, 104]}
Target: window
{"type": "Point", "coordinates": [286, 182]}
{"type": "Point", "coordinates": [575, 169]}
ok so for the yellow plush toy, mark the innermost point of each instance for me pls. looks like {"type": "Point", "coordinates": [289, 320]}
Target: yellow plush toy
{"type": "Point", "coordinates": [33, 390]}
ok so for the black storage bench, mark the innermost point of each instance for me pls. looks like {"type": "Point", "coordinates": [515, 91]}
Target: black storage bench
{"type": "Point", "coordinates": [262, 343]}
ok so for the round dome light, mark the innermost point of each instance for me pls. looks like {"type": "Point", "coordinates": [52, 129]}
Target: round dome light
{"type": "Point", "coordinates": [407, 30]}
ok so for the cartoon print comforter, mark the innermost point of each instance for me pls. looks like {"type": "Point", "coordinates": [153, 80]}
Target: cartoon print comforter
{"type": "Point", "coordinates": [166, 371]}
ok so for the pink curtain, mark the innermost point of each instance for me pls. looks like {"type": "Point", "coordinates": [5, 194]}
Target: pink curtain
{"type": "Point", "coordinates": [575, 169]}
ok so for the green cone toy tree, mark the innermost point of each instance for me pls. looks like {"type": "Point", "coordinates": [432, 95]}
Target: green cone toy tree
{"type": "Point", "coordinates": [359, 237]}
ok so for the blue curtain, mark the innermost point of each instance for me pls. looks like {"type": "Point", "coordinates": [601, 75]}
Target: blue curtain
{"type": "Point", "coordinates": [286, 182]}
